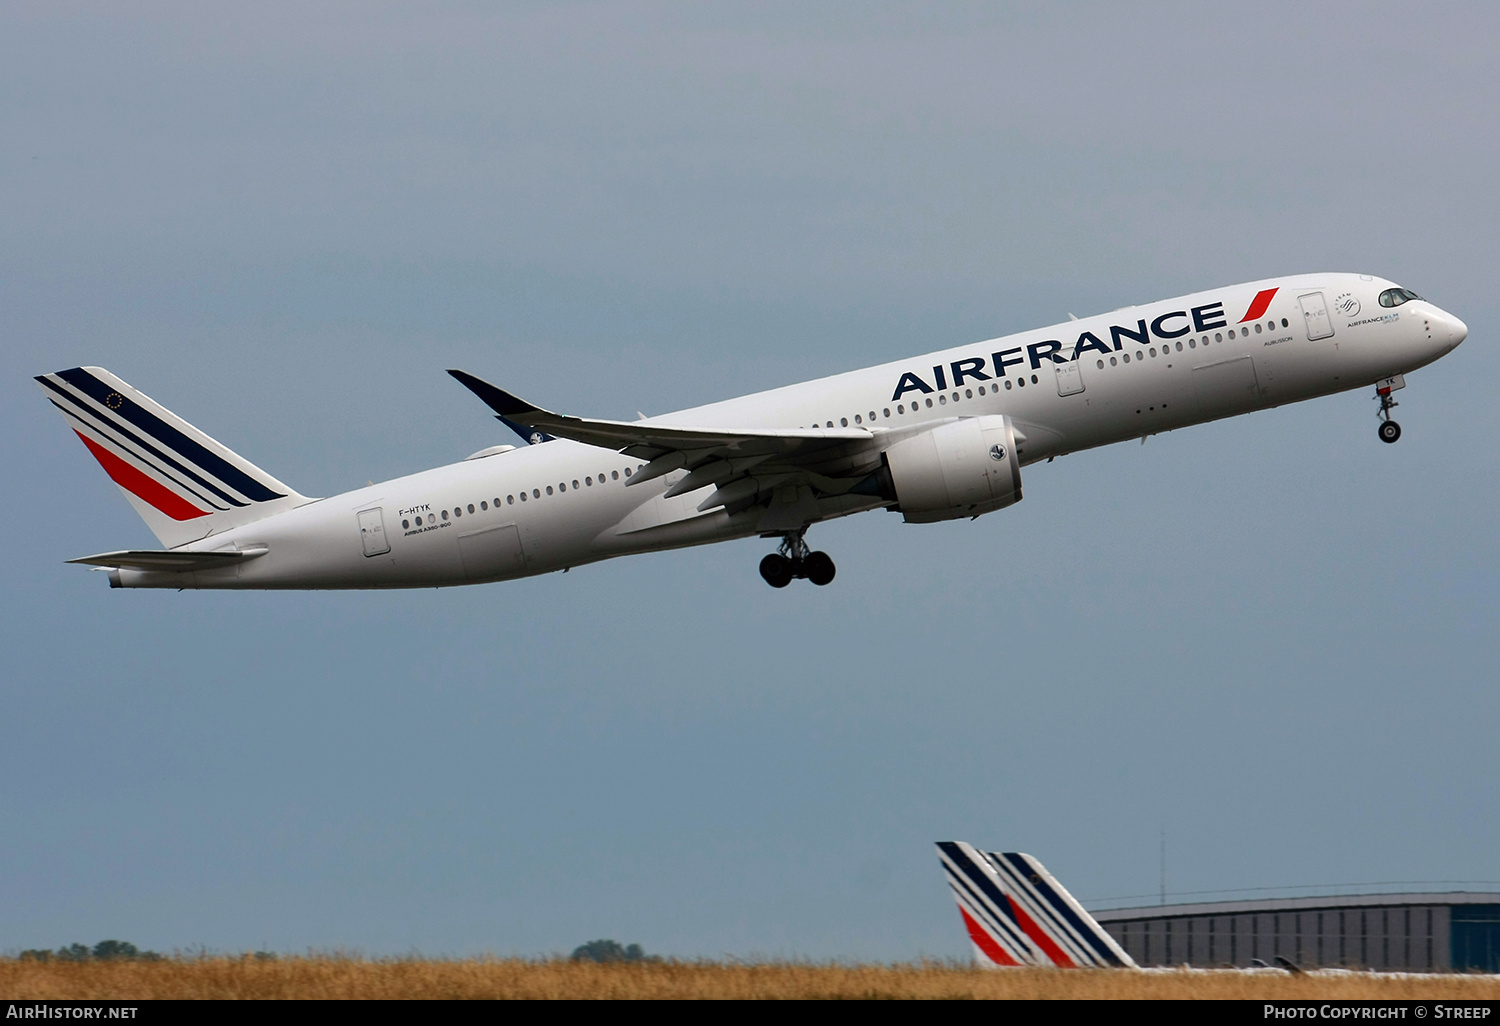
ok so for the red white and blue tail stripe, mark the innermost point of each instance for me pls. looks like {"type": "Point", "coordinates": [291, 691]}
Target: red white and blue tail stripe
{"type": "Point", "coordinates": [1017, 914]}
{"type": "Point", "coordinates": [184, 484]}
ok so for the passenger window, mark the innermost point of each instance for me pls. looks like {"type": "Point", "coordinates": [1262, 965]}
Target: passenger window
{"type": "Point", "coordinates": [872, 416]}
{"type": "Point", "coordinates": [614, 475]}
{"type": "Point", "coordinates": [562, 486]}
{"type": "Point", "coordinates": [1113, 362]}
{"type": "Point", "coordinates": [1153, 352]}
{"type": "Point", "coordinates": [523, 496]}
{"type": "Point", "coordinates": [887, 413]}
{"type": "Point", "coordinates": [589, 481]}
{"type": "Point", "coordinates": [445, 514]}
{"type": "Point", "coordinates": [405, 524]}
{"type": "Point", "coordinates": [1257, 327]}
{"type": "Point", "coordinates": [575, 486]}
{"type": "Point", "coordinates": [1218, 337]}
{"type": "Point", "coordinates": [843, 422]}
{"type": "Point", "coordinates": [1179, 347]}
{"type": "Point", "coordinates": [1285, 322]}
{"type": "Point", "coordinates": [485, 505]}
{"type": "Point", "coordinates": [1101, 364]}
{"type": "Point", "coordinates": [830, 423]}
{"type": "Point", "coordinates": [1033, 379]}
{"type": "Point", "coordinates": [1021, 382]}
{"type": "Point", "coordinates": [900, 408]}
{"type": "Point", "coordinates": [929, 404]}
{"type": "Point", "coordinates": [549, 489]}
{"type": "Point", "coordinates": [497, 502]}
{"type": "Point", "coordinates": [471, 507]}
{"type": "Point", "coordinates": [942, 400]}
{"type": "Point", "coordinates": [1125, 357]}
{"type": "Point", "coordinates": [955, 397]}
{"type": "Point", "coordinates": [1007, 384]}
{"type": "Point", "coordinates": [1192, 344]}
{"type": "Point", "coordinates": [419, 521]}
{"type": "Point", "coordinates": [510, 500]}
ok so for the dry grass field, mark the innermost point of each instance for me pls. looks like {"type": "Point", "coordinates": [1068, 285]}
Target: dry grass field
{"type": "Point", "coordinates": [343, 978]}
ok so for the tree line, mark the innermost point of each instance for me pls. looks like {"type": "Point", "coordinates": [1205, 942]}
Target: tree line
{"type": "Point", "coordinates": [104, 951]}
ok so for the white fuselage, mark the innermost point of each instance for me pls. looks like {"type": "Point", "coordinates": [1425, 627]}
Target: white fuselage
{"type": "Point", "coordinates": [1127, 374]}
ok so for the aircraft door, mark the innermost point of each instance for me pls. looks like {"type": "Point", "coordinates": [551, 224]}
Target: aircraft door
{"type": "Point", "coordinates": [372, 532]}
{"type": "Point", "coordinates": [1315, 316]}
{"type": "Point", "coordinates": [1069, 377]}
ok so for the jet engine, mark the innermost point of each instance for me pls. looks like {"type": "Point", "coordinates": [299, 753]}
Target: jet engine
{"type": "Point", "coordinates": [959, 469]}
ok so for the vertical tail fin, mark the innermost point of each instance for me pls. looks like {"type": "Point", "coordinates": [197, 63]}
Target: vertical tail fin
{"type": "Point", "coordinates": [184, 484]}
{"type": "Point", "coordinates": [1018, 914]}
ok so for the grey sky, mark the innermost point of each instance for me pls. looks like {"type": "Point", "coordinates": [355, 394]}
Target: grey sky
{"type": "Point", "coordinates": [1273, 636]}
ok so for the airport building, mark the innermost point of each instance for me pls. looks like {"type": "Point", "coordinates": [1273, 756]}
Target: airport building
{"type": "Point", "coordinates": [1441, 932]}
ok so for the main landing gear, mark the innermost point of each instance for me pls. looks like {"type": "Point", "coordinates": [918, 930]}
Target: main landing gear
{"type": "Point", "coordinates": [1389, 430]}
{"type": "Point", "coordinates": [794, 560]}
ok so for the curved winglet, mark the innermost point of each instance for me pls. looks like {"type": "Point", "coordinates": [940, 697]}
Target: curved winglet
{"type": "Point", "coordinates": [502, 402]}
{"type": "Point", "coordinates": [497, 399]}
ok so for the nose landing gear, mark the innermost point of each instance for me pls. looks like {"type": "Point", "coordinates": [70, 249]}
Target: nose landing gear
{"type": "Point", "coordinates": [1389, 430]}
{"type": "Point", "coordinates": [794, 560]}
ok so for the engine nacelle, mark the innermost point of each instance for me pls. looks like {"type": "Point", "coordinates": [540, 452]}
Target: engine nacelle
{"type": "Point", "coordinates": [961, 469]}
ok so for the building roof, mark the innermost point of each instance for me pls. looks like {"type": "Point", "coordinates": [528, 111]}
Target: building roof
{"type": "Point", "coordinates": [1245, 907]}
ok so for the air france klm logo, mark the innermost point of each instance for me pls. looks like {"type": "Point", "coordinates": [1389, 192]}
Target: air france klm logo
{"type": "Point", "coordinates": [1170, 325]}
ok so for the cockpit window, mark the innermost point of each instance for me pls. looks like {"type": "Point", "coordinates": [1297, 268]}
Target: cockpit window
{"type": "Point", "coordinates": [1395, 297]}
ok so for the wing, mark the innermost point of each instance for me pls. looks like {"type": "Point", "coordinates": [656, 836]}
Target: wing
{"type": "Point", "coordinates": [811, 473]}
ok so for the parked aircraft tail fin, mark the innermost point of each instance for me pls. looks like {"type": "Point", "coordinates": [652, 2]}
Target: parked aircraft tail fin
{"type": "Point", "coordinates": [1017, 914]}
{"type": "Point", "coordinates": [184, 484]}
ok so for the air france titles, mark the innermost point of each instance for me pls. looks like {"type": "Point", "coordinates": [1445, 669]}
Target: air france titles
{"type": "Point", "coordinates": [1173, 324]}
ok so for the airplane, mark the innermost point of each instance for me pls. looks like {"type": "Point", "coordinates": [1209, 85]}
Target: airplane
{"type": "Point", "coordinates": [1017, 914]}
{"type": "Point", "coordinates": [938, 437]}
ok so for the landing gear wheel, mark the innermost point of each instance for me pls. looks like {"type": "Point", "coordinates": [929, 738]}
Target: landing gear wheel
{"type": "Point", "coordinates": [777, 570]}
{"type": "Point", "coordinates": [1389, 429]}
{"type": "Point", "coordinates": [818, 568]}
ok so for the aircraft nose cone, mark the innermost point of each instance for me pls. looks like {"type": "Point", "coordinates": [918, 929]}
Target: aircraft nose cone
{"type": "Point", "coordinates": [1457, 330]}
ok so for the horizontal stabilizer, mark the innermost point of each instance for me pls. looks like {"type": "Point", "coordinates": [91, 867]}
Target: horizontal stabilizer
{"type": "Point", "coordinates": [169, 560]}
